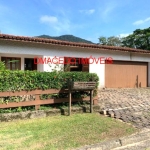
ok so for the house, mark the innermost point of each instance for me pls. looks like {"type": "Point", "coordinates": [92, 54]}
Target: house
{"type": "Point", "coordinates": [130, 67]}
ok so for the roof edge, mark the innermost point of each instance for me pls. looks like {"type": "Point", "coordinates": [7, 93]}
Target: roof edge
{"type": "Point", "coordinates": [67, 43]}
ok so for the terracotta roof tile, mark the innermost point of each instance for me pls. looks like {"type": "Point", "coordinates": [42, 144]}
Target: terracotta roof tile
{"type": "Point", "coordinates": [72, 44]}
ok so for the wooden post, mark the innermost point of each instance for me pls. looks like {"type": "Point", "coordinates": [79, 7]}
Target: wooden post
{"type": "Point", "coordinates": [37, 99]}
{"type": "Point", "coordinates": [69, 109]}
{"type": "Point", "coordinates": [37, 107]}
{"type": "Point", "coordinates": [91, 101]}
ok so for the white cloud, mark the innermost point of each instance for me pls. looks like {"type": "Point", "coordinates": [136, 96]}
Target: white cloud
{"type": "Point", "coordinates": [63, 26]}
{"type": "Point", "coordinates": [108, 9]}
{"type": "Point", "coordinates": [49, 19]}
{"type": "Point", "coordinates": [59, 25]}
{"type": "Point", "coordinates": [90, 11]}
{"type": "Point", "coordinates": [124, 35]}
{"type": "Point", "coordinates": [141, 21]}
{"type": "Point", "coordinates": [47, 1]}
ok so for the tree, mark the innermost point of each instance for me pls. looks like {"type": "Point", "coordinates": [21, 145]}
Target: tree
{"type": "Point", "coordinates": [102, 40]}
{"type": "Point", "coordinates": [114, 41]}
{"type": "Point", "coordinates": [140, 39]}
{"type": "Point", "coordinates": [111, 41]}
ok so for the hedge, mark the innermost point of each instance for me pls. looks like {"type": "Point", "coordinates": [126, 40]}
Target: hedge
{"type": "Point", "coordinates": [32, 80]}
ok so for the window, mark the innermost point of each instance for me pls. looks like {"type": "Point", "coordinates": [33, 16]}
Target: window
{"type": "Point", "coordinates": [12, 63]}
{"type": "Point", "coordinates": [74, 64]}
{"type": "Point", "coordinates": [29, 64]}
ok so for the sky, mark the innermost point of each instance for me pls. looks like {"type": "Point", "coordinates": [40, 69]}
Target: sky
{"type": "Point", "coordinates": [87, 19]}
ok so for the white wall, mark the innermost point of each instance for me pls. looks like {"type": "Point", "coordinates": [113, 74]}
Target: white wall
{"type": "Point", "coordinates": [24, 49]}
{"type": "Point", "coordinates": [51, 63]}
{"type": "Point", "coordinates": [99, 69]}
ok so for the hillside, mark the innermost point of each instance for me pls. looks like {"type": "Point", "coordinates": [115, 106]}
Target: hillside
{"type": "Point", "coordinates": [69, 38]}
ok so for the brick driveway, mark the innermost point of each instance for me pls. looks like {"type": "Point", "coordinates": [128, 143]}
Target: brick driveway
{"type": "Point", "coordinates": [129, 105]}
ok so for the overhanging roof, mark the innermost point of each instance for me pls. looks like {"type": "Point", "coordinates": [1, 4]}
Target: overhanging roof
{"type": "Point", "coordinates": [69, 44]}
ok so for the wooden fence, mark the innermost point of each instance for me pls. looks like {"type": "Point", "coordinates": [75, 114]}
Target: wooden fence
{"type": "Point", "coordinates": [37, 102]}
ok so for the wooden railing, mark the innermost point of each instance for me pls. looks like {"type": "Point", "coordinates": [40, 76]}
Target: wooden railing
{"type": "Point", "coordinates": [37, 102]}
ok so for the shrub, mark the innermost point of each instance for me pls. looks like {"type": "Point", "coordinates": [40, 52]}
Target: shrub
{"type": "Point", "coordinates": [2, 66]}
{"type": "Point", "coordinates": [31, 80]}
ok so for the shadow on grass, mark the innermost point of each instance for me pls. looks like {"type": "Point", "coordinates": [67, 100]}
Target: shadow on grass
{"type": "Point", "coordinates": [77, 106]}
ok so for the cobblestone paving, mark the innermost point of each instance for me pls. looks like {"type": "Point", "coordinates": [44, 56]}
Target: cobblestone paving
{"type": "Point", "coordinates": [129, 105]}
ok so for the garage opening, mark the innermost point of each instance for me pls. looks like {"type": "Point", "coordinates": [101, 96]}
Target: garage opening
{"type": "Point", "coordinates": [126, 74]}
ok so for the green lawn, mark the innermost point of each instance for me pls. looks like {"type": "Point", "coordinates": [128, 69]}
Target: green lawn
{"type": "Point", "coordinates": [60, 132]}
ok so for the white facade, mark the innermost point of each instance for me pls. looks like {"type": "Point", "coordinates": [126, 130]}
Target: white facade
{"type": "Point", "coordinates": [32, 50]}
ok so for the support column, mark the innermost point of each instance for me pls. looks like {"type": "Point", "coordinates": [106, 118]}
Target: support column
{"type": "Point", "coordinates": [69, 110]}
{"type": "Point", "coordinates": [91, 101]}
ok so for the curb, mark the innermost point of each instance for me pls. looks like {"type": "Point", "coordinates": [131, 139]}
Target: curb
{"type": "Point", "coordinates": [6, 117]}
{"type": "Point", "coordinates": [131, 141]}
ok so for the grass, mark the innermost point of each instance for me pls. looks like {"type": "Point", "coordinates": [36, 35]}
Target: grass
{"type": "Point", "coordinates": [60, 132]}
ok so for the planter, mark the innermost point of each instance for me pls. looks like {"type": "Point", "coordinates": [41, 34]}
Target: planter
{"type": "Point", "coordinates": [81, 85]}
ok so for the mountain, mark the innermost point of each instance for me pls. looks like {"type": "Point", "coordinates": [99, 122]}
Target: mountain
{"type": "Point", "coordinates": [69, 38]}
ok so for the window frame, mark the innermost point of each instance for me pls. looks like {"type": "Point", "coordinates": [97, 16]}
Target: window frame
{"type": "Point", "coordinates": [76, 66]}
{"type": "Point", "coordinates": [5, 59]}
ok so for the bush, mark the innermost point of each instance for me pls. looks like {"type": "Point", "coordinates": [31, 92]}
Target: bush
{"type": "Point", "coordinates": [31, 80]}
{"type": "Point", "coordinates": [2, 66]}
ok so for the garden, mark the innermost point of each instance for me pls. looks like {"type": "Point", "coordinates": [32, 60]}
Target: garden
{"type": "Point", "coordinates": [23, 91]}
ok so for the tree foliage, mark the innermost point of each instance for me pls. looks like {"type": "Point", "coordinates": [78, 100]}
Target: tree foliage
{"type": "Point", "coordinates": [2, 66]}
{"type": "Point", "coordinates": [140, 39]}
{"type": "Point", "coordinates": [111, 41]}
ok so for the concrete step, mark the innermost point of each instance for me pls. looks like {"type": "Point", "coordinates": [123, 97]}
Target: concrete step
{"type": "Point", "coordinates": [144, 145]}
{"type": "Point", "coordinates": [139, 118]}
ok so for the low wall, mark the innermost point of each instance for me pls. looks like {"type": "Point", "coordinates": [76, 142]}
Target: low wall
{"type": "Point", "coordinates": [44, 113]}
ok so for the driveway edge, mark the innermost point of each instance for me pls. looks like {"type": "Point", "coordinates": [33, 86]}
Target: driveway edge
{"type": "Point", "coordinates": [123, 143]}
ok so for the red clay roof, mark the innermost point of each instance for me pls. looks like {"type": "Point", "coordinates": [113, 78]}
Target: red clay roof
{"type": "Point", "coordinates": [72, 44]}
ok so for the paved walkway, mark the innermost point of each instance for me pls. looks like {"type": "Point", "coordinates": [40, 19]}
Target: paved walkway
{"type": "Point", "coordinates": [129, 105]}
